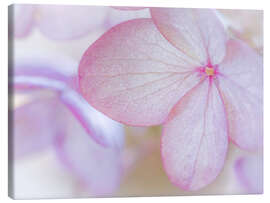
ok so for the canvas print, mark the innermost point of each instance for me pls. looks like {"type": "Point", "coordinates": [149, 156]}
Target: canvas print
{"type": "Point", "coordinates": [134, 101]}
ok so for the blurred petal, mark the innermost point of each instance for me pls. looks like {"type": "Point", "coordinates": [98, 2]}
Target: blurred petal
{"type": "Point", "coordinates": [241, 84]}
{"type": "Point", "coordinates": [116, 16]}
{"type": "Point", "coordinates": [46, 122]}
{"type": "Point", "coordinates": [33, 129]}
{"type": "Point", "coordinates": [102, 129]}
{"type": "Point", "coordinates": [48, 75]}
{"type": "Point", "coordinates": [97, 168]}
{"type": "Point", "coordinates": [69, 22]}
{"type": "Point", "coordinates": [43, 62]}
{"type": "Point", "coordinates": [22, 19]}
{"type": "Point", "coordinates": [249, 171]}
{"type": "Point", "coordinates": [126, 8]}
{"type": "Point", "coordinates": [248, 26]}
{"type": "Point", "coordinates": [197, 33]}
{"type": "Point", "coordinates": [194, 141]}
{"type": "Point", "coordinates": [41, 70]}
{"type": "Point", "coordinates": [28, 78]}
{"type": "Point", "coordinates": [133, 75]}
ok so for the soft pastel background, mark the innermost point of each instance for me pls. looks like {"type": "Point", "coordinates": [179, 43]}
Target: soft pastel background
{"type": "Point", "coordinates": [41, 176]}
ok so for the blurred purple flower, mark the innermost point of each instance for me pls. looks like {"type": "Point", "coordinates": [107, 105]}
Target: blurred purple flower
{"type": "Point", "coordinates": [65, 121]}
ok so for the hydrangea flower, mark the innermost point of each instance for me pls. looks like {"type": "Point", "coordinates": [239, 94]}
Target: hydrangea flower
{"type": "Point", "coordinates": [181, 70]}
{"type": "Point", "coordinates": [86, 142]}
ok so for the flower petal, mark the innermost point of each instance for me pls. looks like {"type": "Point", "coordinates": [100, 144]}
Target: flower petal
{"type": "Point", "coordinates": [69, 22]}
{"type": "Point", "coordinates": [127, 8]}
{"type": "Point", "coordinates": [102, 129]}
{"type": "Point", "coordinates": [41, 70]}
{"type": "Point", "coordinates": [116, 16]}
{"type": "Point", "coordinates": [22, 19]}
{"type": "Point", "coordinates": [133, 75]}
{"type": "Point", "coordinates": [241, 84]}
{"type": "Point", "coordinates": [97, 168]}
{"type": "Point", "coordinates": [249, 171]}
{"type": "Point", "coordinates": [47, 74]}
{"type": "Point", "coordinates": [194, 142]}
{"type": "Point", "coordinates": [33, 129]}
{"type": "Point", "coordinates": [248, 26]}
{"type": "Point", "coordinates": [47, 122]}
{"type": "Point", "coordinates": [196, 32]}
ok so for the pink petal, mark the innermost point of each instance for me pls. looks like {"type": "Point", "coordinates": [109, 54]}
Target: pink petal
{"type": "Point", "coordinates": [197, 33]}
{"type": "Point", "coordinates": [69, 22]}
{"type": "Point", "coordinates": [249, 171]}
{"type": "Point", "coordinates": [194, 142]}
{"type": "Point", "coordinates": [45, 77]}
{"type": "Point", "coordinates": [133, 75]}
{"type": "Point", "coordinates": [102, 129]}
{"type": "Point", "coordinates": [248, 26]}
{"type": "Point", "coordinates": [47, 122]}
{"type": "Point", "coordinates": [97, 168]}
{"type": "Point", "coordinates": [126, 8]}
{"type": "Point", "coordinates": [33, 129]}
{"type": "Point", "coordinates": [116, 16]}
{"type": "Point", "coordinates": [48, 75]}
{"type": "Point", "coordinates": [42, 70]}
{"type": "Point", "coordinates": [22, 19]}
{"type": "Point", "coordinates": [241, 84]}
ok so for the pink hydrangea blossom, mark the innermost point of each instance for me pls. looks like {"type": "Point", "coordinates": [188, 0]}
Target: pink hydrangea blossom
{"type": "Point", "coordinates": [86, 142]}
{"type": "Point", "coordinates": [179, 69]}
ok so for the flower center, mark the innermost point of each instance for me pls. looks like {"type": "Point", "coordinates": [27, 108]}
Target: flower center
{"type": "Point", "coordinates": [209, 71]}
